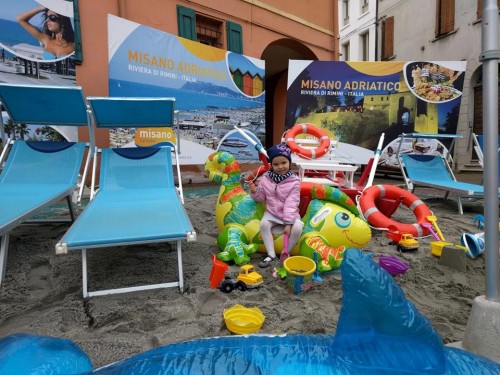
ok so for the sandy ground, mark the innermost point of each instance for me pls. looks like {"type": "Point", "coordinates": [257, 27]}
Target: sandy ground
{"type": "Point", "coordinates": [42, 291]}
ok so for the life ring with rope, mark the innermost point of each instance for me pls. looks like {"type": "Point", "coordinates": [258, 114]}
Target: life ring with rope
{"type": "Point", "coordinates": [376, 218]}
{"type": "Point", "coordinates": [311, 129]}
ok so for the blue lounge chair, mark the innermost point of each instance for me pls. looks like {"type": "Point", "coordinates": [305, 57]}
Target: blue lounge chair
{"type": "Point", "coordinates": [137, 201]}
{"type": "Point", "coordinates": [433, 171]}
{"type": "Point", "coordinates": [38, 174]}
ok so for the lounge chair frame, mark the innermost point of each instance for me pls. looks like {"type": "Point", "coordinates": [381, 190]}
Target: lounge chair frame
{"type": "Point", "coordinates": [40, 105]}
{"type": "Point", "coordinates": [412, 163]}
{"type": "Point", "coordinates": [130, 113]}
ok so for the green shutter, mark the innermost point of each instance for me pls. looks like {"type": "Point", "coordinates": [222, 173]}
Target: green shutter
{"type": "Point", "coordinates": [186, 22]}
{"type": "Point", "coordinates": [78, 33]}
{"type": "Point", "coordinates": [234, 37]}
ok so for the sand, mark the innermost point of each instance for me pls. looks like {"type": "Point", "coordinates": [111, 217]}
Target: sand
{"type": "Point", "coordinates": [42, 291]}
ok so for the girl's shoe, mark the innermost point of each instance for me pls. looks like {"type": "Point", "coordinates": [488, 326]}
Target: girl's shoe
{"type": "Point", "coordinates": [266, 262]}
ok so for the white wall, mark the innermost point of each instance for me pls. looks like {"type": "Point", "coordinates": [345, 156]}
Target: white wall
{"type": "Point", "coordinates": [414, 39]}
{"type": "Point", "coordinates": [359, 23]}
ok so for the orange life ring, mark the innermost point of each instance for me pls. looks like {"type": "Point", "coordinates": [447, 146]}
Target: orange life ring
{"type": "Point", "coordinates": [379, 220]}
{"type": "Point", "coordinates": [324, 140]}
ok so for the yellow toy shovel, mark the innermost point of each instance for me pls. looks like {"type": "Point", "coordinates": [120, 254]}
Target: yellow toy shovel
{"type": "Point", "coordinates": [433, 220]}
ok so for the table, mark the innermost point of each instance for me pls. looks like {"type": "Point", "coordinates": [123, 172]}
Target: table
{"type": "Point", "coordinates": [330, 166]}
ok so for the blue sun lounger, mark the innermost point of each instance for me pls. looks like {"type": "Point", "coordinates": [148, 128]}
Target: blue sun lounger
{"type": "Point", "coordinates": [38, 174]}
{"type": "Point", "coordinates": [137, 201]}
{"type": "Point", "coordinates": [433, 171]}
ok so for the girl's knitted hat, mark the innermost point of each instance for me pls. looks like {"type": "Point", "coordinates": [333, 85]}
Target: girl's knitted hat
{"type": "Point", "coordinates": [279, 150]}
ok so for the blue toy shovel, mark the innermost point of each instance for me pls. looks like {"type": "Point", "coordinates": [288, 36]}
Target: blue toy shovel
{"type": "Point", "coordinates": [285, 254]}
{"type": "Point", "coordinates": [315, 275]}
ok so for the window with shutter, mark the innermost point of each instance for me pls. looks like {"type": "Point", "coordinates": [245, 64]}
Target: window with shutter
{"type": "Point", "coordinates": [234, 37]}
{"type": "Point", "coordinates": [445, 17]}
{"type": "Point", "coordinates": [186, 22]}
{"type": "Point", "coordinates": [365, 48]}
{"type": "Point", "coordinates": [387, 38]}
{"type": "Point", "coordinates": [209, 31]}
{"type": "Point", "coordinates": [345, 9]}
{"type": "Point", "coordinates": [364, 6]}
{"type": "Point", "coordinates": [346, 51]}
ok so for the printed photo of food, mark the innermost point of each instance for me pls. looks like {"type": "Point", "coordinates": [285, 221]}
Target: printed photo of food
{"type": "Point", "coordinates": [434, 82]}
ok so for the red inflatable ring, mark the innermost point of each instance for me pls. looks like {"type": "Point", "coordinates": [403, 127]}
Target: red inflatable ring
{"type": "Point", "coordinates": [379, 220]}
{"type": "Point", "coordinates": [297, 129]}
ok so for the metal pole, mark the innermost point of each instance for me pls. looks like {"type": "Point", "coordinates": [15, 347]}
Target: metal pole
{"type": "Point", "coordinates": [489, 56]}
{"type": "Point", "coordinates": [3, 136]}
{"type": "Point", "coordinates": [178, 132]}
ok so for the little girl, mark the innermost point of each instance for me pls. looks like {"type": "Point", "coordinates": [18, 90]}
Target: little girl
{"type": "Point", "coordinates": [279, 190]}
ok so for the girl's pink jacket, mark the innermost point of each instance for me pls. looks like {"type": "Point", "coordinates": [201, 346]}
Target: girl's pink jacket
{"type": "Point", "coordinates": [281, 200]}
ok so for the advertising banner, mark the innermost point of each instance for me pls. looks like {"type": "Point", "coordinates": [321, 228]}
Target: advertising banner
{"type": "Point", "coordinates": [214, 90]}
{"type": "Point", "coordinates": [355, 102]}
{"type": "Point", "coordinates": [37, 47]}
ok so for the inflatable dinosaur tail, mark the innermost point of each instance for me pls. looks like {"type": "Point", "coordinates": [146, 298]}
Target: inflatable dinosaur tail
{"type": "Point", "coordinates": [222, 168]}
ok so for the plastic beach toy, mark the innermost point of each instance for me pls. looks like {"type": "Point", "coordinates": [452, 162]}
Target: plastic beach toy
{"type": "Point", "coordinates": [474, 244]}
{"type": "Point", "coordinates": [285, 254]}
{"type": "Point", "coordinates": [431, 230]}
{"type": "Point", "coordinates": [393, 265]}
{"type": "Point", "coordinates": [316, 276]}
{"type": "Point", "coordinates": [23, 353]}
{"type": "Point", "coordinates": [299, 272]}
{"type": "Point", "coordinates": [437, 247]}
{"type": "Point", "coordinates": [243, 320]}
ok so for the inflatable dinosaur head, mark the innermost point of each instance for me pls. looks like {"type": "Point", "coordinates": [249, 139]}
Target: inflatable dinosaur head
{"type": "Point", "coordinates": [337, 225]}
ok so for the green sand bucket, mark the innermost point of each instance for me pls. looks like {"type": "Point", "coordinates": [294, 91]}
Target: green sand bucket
{"type": "Point", "coordinates": [299, 272]}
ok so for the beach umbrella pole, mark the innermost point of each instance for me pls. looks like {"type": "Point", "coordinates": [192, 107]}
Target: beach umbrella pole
{"type": "Point", "coordinates": [257, 146]}
{"type": "Point", "coordinates": [375, 161]}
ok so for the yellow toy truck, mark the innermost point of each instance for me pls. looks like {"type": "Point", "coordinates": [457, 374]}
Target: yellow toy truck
{"type": "Point", "coordinates": [247, 278]}
{"type": "Point", "coordinates": [404, 241]}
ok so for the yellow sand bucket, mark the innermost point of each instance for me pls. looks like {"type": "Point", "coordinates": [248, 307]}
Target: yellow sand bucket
{"type": "Point", "coordinates": [243, 320]}
{"type": "Point", "coordinates": [437, 247]}
{"type": "Point", "coordinates": [299, 272]}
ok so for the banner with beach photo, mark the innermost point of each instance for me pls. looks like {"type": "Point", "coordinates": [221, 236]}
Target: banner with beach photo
{"type": "Point", "coordinates": [37, 47]}
{"type": "Point", "coordinates": [355, 102]}
{"type": "Point", "coordinates": [214, 90]}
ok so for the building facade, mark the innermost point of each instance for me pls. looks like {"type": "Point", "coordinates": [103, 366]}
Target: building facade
{"type": "Point", "coordinates": [439, 30]}
{"type": "Point", "coordinates": [271, 30]}
{"type": "Point", "coordinates": [358, 31]}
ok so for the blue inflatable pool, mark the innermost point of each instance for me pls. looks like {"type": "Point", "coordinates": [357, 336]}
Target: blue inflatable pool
{"type": "Point", "coordinates": [379, 332]}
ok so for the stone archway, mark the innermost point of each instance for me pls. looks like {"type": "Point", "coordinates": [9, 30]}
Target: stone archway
{"type": "Point", "coordinates": [276, 56]}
